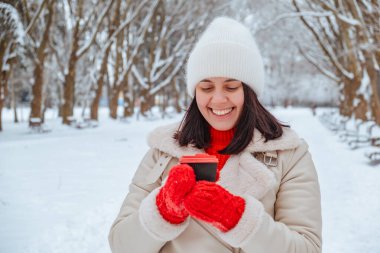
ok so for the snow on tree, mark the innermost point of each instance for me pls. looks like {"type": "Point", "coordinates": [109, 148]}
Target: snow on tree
{"type": "Point", "coordinates": [124, 47]}
{"type": "Point", "coordinates": [347, 38]}
{"type": "Point", "coordinates": [11, 34]}
{"type": "Point", "coordinates": [39, 37]}
{"type": "Point", "coordinates": [290, 78]}
{"type": "Point", "coordinates": [169, 39]}
{"type": "Point", "coordinates": [82, 28]}
{"type": "Point", "coordinates": [84, 53]}
{"type": "Point", "coordinates": [11, 40]}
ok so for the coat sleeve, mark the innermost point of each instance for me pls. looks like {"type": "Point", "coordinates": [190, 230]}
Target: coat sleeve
{"type": "Point", "coordinates": [297, 222]}
{"type": "Point", "coordinates": [139, 226]}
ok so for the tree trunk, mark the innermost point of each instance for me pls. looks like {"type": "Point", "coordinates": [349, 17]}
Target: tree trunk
{"type": "Point", "coordinates": [4, 89]}
{"type": "Point", "coordinates": [3, 48]}
{"type": "Point", "coordinates": [147, 102]}
{"type": "Point", "coordinates": [165, 103]}
{"type": "Point", "coordinates": [3, 80]}
{"type": "Point", "coordinates": [1, 105]}
{"type": "Point", "coordinates": [103, 69]}
{"type": "Point", "coordinates": [36, 103]}
{"type": "Point", "coordinates": [177, 106]}
{"type": "Point", "coordinates": [14, 102]}
{"type": "Point", "coordinates": [349, 89]}
{"type": "Point", "coordinates": [375, 99]}
{"type": "Point", "coordinates": [128, 104]}
{"type": "Point", "coordinates": [69, 85]}
{"type": "Point", "coordinates": [36, 114]}
{"type": "Point", "coordinates": [44, 109]}
{"type": "Point", "coordinates": [68, 94]}
{"type": "Point", "coordinates": [15, 114]}
{"type": "Point", "coordinates": [374, 77]}
{"type": "Point", "coordinates": [35, 118]}
{"type": "Point", "coordinates": [360, 111]}
{"type": "Point", "coordinates": [177, 95]}
{"type": "Point", "coordinates": [117, 86]}
{"type": "Point", "coordinates": [99, 87]}
{"type": "Point", "coordinates": [113, 104]}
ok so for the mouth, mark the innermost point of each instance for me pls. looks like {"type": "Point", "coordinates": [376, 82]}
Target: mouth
{"type": "Point", "coordinates": [221, 112]}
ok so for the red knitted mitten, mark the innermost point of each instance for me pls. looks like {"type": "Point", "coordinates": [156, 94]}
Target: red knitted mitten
{"type": "Point", "coordinates": [170, 198]}
{"type": "Point", "coordinates": [212, 203]}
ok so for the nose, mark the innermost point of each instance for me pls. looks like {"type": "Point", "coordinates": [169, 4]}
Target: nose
{"type": "Point", "coordinates": [219, 97]}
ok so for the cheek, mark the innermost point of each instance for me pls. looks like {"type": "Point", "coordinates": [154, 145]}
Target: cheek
{"type": "Point", "coordinates": [239, 106]}
{"type": "Point", "coordinates": [239, 101]}
{"type": "Point", "coordinates": [201, 102]}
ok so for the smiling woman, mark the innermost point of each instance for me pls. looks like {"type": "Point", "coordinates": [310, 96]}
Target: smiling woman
{"type": "Point", "coordinates": [266, 195]}
{"type": "Point", "coordinates": [220, 100]}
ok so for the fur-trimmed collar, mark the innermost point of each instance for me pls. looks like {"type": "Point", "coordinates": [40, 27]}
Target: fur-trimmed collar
{"type": "Point", "coordinates": [242, 174]}
{"type": "Point", "coordinates": [162, 139]}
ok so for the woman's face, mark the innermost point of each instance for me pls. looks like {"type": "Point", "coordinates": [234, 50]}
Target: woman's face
{"type": "Point", "coordinates": [220, 100]}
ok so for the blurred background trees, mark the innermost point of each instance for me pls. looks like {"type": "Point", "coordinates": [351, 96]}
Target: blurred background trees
{"type": "Point", "coordinates": [347, 39]}
{"type": "Point", "coordinates": [130, 55]}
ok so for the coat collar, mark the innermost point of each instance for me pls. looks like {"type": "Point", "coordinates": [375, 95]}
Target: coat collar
{"type": "Point", "coordinates": [162, 139]}
{"type": "Point", "coordinates": [243, 173]}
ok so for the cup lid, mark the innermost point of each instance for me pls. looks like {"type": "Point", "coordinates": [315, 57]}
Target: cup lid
{"type": "Point", "coordinates": [199, 158]}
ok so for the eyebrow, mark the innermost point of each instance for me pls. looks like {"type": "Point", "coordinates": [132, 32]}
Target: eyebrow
{"type": "Point", "coordinates": [228, 80]}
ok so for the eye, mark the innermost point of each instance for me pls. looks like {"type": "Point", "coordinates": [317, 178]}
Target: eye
{"type": "Point", "coordinates": [206, 88]}
{"type": "Point", "coordinates": [232, 88]}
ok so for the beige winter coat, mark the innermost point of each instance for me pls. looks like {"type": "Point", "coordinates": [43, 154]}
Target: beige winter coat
{"type": "Point", "coordinates": [282, 215]}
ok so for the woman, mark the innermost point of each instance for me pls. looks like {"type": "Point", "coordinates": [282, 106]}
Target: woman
{"type": "Point", "coordinates": [266, 197]}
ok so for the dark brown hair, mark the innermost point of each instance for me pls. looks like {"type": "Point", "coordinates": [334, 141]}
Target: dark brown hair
{"type": "Point", "coordinates": [194, 129]}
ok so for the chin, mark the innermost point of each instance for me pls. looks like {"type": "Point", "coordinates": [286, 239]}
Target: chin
{"type": "Point", "coordinates": [222, 127]}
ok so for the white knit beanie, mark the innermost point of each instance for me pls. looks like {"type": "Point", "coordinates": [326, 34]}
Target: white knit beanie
{"type": "Point", "coordinates": [226, 49]}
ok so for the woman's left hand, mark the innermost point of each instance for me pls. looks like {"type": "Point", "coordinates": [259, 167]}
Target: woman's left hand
{"type": "Point", "coordinates": [212, 203]}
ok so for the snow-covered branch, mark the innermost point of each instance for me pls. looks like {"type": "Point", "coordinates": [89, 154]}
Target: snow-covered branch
{"type": "Point", "coordinates": [139, 41]}
{"type": "Point", "coordinates": [36, 16]}
{"type": "Point", "coordinates": [12, 28]}
{"type": "Point", "coordinates": [12, 33]}
{"type": "Point", "coordinates": [316, 64]}
{"type": "Point", "coordinates": [294, 15]}
{"type": "Point", "coordinates": [85, 48]}
{"type": "Point", "coordinates": [125, 23]}
{"type": "Point", "coordinates": [140, 79]}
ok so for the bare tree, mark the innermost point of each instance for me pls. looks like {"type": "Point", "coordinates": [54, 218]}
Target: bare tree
{"type": "Point", "coordinates": [83, 36]}
{"type": "Point", "coordinates": [348, 35]}
{"type": "Point", "coordinates": [170, 38]}
{"type": "Point", "coordinates": [73, 48]}
{"type": "Point", "coordinates": [11, 38]}
{"type": "Point", "coordinates": [127, 48]}
{"type": "Point", "coordinates": [39, 44]}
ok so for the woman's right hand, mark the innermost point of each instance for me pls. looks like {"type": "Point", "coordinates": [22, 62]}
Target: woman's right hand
{"type": "Point", "coordinates": [170, 198]}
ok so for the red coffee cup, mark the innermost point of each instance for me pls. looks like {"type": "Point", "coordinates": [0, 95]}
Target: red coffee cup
{"type": "Point", "coordinates": [204, 166]}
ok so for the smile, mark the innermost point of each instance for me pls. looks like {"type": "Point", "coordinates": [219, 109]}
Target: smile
{"type": "Point", "coordinates": [221, 112]}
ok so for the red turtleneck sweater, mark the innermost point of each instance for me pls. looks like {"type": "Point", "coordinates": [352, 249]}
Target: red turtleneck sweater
{"type": "Point", "coordinates": [219, 140]}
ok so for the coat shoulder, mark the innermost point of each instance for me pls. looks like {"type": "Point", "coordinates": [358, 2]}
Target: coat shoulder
{"type": "Point", "coordinates": [162, 138]}
{"type": "Point", "coordinates": [161, 134]}
{"type": "Point", "coordinates": [287, 141]}
{"type": "Point", "coordinates": [298, 158]}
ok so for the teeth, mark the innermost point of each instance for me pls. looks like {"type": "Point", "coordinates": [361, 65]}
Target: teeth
{"type": "Point", "coordinates": [221, 112]}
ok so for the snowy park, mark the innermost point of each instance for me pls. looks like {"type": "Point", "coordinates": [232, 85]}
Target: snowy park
{"type": "Point", "coordinates": [83, 83]}
{"type": "Point", "coordinates": [61, 191]}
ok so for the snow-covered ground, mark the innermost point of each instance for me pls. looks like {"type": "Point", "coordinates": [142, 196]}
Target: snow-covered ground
{"type": "Point", "coordinates": [60, 191]}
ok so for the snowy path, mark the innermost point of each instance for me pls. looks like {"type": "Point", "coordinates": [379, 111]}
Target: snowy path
{"type": "Point", "coordinates": [59, 192]}
{"type": "Point", "coordinates": [350, 188]}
